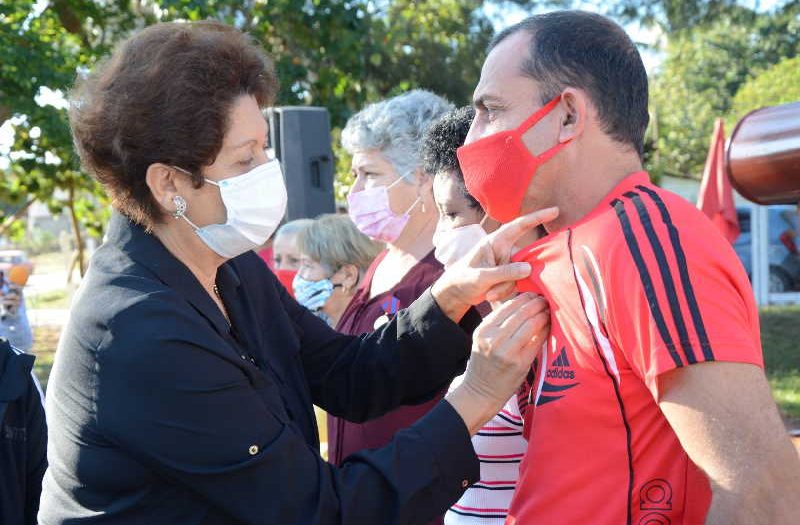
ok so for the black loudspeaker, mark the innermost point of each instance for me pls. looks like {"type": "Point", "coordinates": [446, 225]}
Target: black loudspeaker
{"type": "Point", "coordinates": [301, 138]}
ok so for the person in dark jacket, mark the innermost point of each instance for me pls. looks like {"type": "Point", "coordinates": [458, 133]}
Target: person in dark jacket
{"type": "Point", "coordinates": [23, 438]}
{"type": "Point", "coordinates": [183, 386]}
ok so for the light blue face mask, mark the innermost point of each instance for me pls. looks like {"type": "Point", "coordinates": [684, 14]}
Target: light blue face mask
{"type": "Point", "coordinates": [313, 294]}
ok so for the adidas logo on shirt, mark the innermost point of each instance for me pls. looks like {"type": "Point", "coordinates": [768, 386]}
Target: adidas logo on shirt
{"type": "Point", "coordinates": [561, 368]}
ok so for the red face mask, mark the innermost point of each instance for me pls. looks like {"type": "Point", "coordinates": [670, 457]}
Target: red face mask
{"type": "Point", "coordinates": [498, 168]}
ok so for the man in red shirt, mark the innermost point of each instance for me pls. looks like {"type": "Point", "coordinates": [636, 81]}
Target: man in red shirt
{"type": "Point", "coordinates": [649, 404]}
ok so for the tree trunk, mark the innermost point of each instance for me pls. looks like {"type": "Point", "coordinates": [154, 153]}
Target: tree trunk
{"type": "Point", "coordinates": [76, 229]}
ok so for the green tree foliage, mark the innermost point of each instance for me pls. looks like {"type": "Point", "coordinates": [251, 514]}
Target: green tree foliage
{"type": "Point", "coordinates": [332, 53]}
{"type": "Point", "coordinates": [703, 70]}
{"type": "Point", "coordinates": [779, 84]}
{"type": "Point", "coordinates": [673, 15]}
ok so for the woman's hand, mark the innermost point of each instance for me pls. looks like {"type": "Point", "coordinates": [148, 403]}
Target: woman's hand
{"type": "Point", "coordinates": [504, 346]}
{"type": "Point", "coordinates": [484, 274]}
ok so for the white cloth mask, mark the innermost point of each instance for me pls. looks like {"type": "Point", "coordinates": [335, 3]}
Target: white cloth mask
{"type": "Point", "coordinates": [452, 245]}
{"type": "Point", "coordinates": [255, 203]}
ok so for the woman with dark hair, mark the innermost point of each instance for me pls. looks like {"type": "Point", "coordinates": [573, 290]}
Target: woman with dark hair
{"type": "Point", "coordinates": [183, 387]}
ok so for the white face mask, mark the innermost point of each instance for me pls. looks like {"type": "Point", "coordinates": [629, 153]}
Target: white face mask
{"type": "Point", "coordinates": [255, 203]}
{"type": "Point", "coordinates": [452, 245]}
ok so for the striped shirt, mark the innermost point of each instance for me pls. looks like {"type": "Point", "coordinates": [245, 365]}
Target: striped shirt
{"type": "Point", "coordinates": [500, 447]}
{"type": "Point", "coordinates": [642, 285]}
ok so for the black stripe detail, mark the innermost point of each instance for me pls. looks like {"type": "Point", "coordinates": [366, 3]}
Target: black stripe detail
{"type": "Point", "coordinates": [500, 460]}
{"type": "Point", "coordinates": [491, 488]}
{"type": "Point", "coordinates": [543, 400]}
{"type": "Point", "coordinates": [647, 282]}
{"type": "Point", "coordinates": [499, 434]}
{"type": "Point", "coordinates": [547, 387]}
{"type": "Point", "coordinates": [688, 289]}
{"type": "Point", "coordinates": [666, 275]}
{"type": "Point", "coordinates": [461, 512]}
{"type": "Point", "coordinates": [618, 394]}
{"type": "Point", "coordinates": [509, 420]}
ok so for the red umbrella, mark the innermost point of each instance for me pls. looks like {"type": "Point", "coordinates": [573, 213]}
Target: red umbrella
{"type": "Point", "coordinates": [716, 193]}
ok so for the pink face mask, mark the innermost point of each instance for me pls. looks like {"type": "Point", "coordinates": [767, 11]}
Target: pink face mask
{"type": "Point", "coordinates": [373, 216]}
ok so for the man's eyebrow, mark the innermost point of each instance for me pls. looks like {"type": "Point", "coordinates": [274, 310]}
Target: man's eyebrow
{"type": "Point", "coordinates": [481, 100]}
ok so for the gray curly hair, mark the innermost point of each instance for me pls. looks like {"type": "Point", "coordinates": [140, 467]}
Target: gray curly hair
{"type": "Point", "coordinates": [396, 127]}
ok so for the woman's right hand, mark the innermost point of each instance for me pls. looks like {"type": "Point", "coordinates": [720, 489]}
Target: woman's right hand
{"type": "Point", "coordinates": [486, 273]}
{"type": "Point", "coordinates": [504, 346]}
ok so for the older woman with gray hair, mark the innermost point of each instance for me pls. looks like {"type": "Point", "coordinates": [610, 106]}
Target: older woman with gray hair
{"type": "Point", "coordinates": [334, 256]}
{"type": "Point", "coordinates": [391, 201]}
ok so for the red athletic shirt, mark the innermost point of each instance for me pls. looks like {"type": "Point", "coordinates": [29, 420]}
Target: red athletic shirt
{"type": "Point", "coordinates": [642, 285]}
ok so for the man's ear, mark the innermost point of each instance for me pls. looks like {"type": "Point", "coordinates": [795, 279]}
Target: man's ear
{"type": "Point", "coordinates": [575, 108]}
{"type": "Point", "coordinates": [160, 179]}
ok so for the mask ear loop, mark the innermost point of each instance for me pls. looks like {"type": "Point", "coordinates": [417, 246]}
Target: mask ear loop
{"type": "Point", "coordinates": [417, 201]}
{"type": "Point", "coordinates": [180, 210]}
{"type": "Point", "coordinates": [538, 115]}
{"type": "Point", "coordinates": [180, 202]}
{"type": "Point", "coordinates": [414, 204]}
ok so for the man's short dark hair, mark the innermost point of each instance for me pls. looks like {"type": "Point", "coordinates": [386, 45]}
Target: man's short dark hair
{"type": "Point", "coordinates": [442, 140]}
{"type": "Point", "coordinates": [591, 52]}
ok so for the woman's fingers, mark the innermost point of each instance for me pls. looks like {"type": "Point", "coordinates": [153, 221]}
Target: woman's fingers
{"type": "Point", "coordinates": [507, 235]}
{"type": "Point", "coordinates": [506, 273]}
{"type": "Point", "coordinates": [511, 321]}
{"type": "Point", "coordinates": [532, 329]}
{"type": "Point", "coordinates": [502, 292]}
{"type": "Point", "coordinates": [505, 345]}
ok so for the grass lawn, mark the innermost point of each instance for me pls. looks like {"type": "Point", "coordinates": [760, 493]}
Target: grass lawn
{"type": "Point", "coordinates": [45, 341]}
{"type": "Point", "coordinates": [52, 299]}
{"type": "Point", "coordinates": [780, 333]}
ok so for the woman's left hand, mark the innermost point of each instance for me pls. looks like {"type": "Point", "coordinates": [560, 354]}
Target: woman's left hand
{"type": "Point", "coordinates": [486, 273]}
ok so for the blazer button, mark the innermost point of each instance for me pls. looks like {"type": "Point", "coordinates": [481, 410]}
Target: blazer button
{"type": "Point", "coordinates": [253, 450]}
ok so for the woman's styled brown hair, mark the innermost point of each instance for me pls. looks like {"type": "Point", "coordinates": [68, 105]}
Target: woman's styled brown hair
{"type": "Point", "coordinates": [164, 96]}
